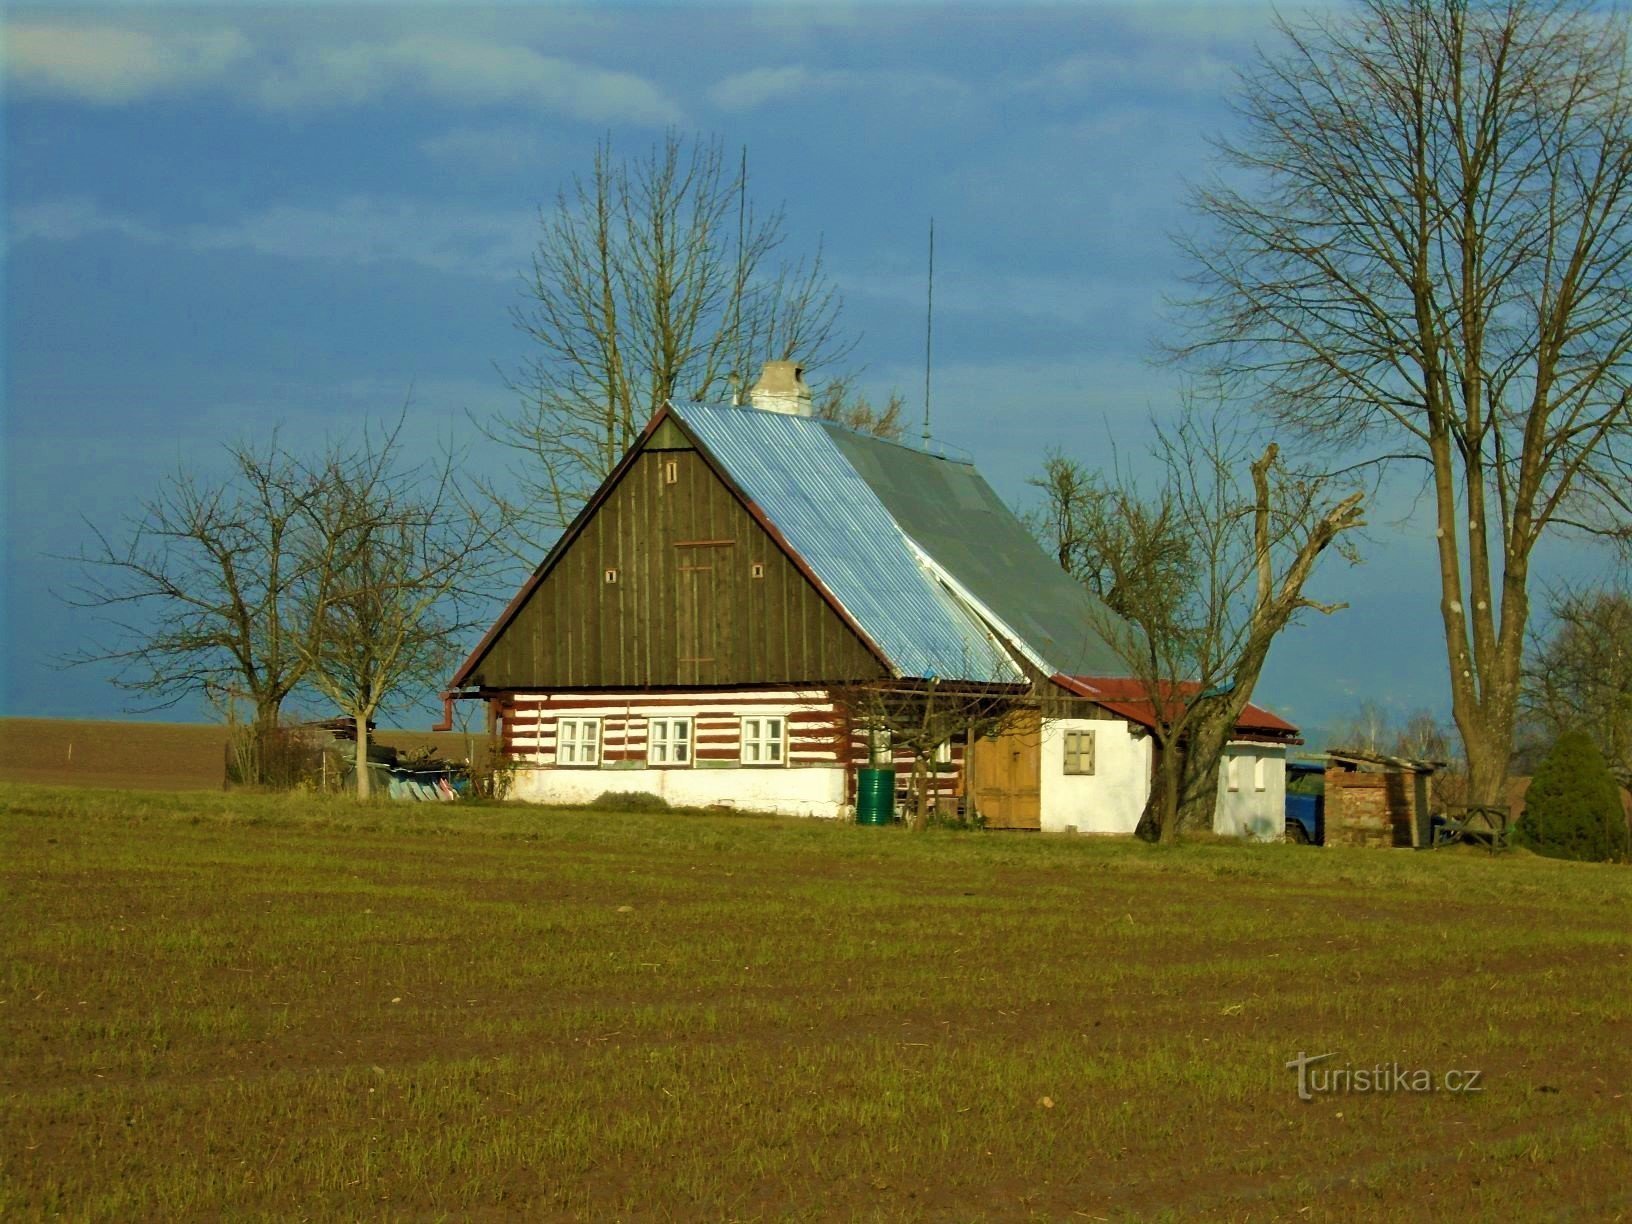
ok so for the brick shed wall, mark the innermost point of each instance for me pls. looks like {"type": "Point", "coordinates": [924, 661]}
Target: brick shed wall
{"type": "Point", "coordinates": [1370, 809]}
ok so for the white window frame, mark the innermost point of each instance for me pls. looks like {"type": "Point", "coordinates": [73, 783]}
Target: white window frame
{"type": "Point", "coordinates": [578, 742]}
{"type": "Point", "coordinates": [669, 743]}
{"type": "Point", "coordinates": [762, 737]}
{"type": "Point", "coordinates": [1072, 758]}
{"type": "Point", "coordinates": [943, 752]}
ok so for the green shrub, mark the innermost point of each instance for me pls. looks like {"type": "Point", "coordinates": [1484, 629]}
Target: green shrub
{"type": "Point", "coordinates": [629, 801]}
{"type": "Point", "coordinates": [1573, 809]}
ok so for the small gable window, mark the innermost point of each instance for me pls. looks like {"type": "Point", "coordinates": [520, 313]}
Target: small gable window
{"type": "Point", "coordinates": [668, 741]}
{"type": "Point", "coordinates": [762, 741]}
{"type": "Point", "coordinates": [578, 741]}
{"type": "Point", "coordinates": [1079, 752]}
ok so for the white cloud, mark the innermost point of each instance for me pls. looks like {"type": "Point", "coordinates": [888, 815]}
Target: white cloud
{"type": "Point", "coordinates": [108, 65]}
{"type": "Point", "coordinates": [1162, 68]}
{"type": "Point", "coordinates": [69, 218]}
{"type": "Point", "coordinates": [357, 230]}
{"type": "Point", "coordinates": [362, 230]}
{"type": "Point", "coordinates": [745, 91]}
{"type": "Point", "coordinates": [466, 72]}
{"type": "Point", "coordinates": [503, 149]}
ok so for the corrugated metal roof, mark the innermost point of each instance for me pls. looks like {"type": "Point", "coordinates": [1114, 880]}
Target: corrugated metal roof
{"type": "Point", "coordinates": [949, 511]}
{"type": "Point", "coordinates": [794, 470]}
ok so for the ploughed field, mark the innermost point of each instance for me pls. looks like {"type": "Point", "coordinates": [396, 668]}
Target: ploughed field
{"type": "Point", "coordinates": [249, 1006]}
{"type": "Point", "coordinates": [151, 756]}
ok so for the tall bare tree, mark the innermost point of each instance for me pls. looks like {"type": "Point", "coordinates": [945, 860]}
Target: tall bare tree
{"type": "Point", "coordinates": [1199, 578]}
{"type": "Point", "coordinates": [201, 585]}
{"type": "Point", "coordinates": [654, 277]}
{"type": "Point", "coordinates": [415, 580]}
{"type": "Point", "coordinates": [1421, 249]}
{"type": "Point", "coordinates": [1579, 676]}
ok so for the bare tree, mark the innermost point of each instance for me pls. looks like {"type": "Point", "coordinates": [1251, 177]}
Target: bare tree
{"type": "Point", "coordinates": [201, 585]}
{"type": "Point", "coordinates": [414, 581]}
{"type": "Point", "coordinates": [1579, 675]}
{"type": "Point", "coordinates": [653, 277]}
{"type": "Point", "coordinates": [1372, 727]}
{"type": "Point", "coordinates": [1199, 579]}
{"type": "Point", "coordinates": [923, 717]}
{"type": "Point", "coordinates": [1424, 252]}
{"type": "Point", "coordinates": [842, 403]}
{"type": "Point", "coordinates": [1368, 727]}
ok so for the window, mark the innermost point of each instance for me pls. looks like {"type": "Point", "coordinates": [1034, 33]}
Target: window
{"type": "Point", "coordinates": [671, 472]}
{"type": "Point", "coordinates": [611, 575]}
{"type": "Point", "coordinates": [762, 741]}
{"type": "Point", "coordinates": [668, 741]}
{"type": "Point", "coordinates": [1232, 773]}
{"type": "Point", "coordinates": [943, 752]}
{"type": "Point", "coordinates": [1079, 752]}
{"type": "Point", "coordinates": [1260, 774]}
{"type": "Point", "coordinates": [578, 741]}
{"type": "Point", "coordinates": [758, 569]}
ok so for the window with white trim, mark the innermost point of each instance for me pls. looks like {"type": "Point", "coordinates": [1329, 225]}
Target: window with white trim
{"type": "Point", "coordinates": [943, 752]}
{"type": "Point", "coordinates": [1079, 752]}
{"type": "Point", "coordinates": [762, 741]}
{"type": "Point", "coordinates": [1260, 773]}
{"type": "Point", "coordinates": [668, 741]}
{"type": "Point", "coordinates": [577, 741]}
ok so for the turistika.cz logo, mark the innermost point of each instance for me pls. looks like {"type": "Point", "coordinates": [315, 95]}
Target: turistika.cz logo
{"type": "Point", "coordinates": [1315, 1078]}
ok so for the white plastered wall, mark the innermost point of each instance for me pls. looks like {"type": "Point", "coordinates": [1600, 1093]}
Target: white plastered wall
{"type": "Point", "coordinates": [1255, 805]}
{"type": "Point", "coordinates": [788, 790]}
{"type": "Point", "coordinates": [1111, 798]}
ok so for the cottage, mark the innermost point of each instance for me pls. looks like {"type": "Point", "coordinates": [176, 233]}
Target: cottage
{"type": "Point", "coordinates": [700, 630]}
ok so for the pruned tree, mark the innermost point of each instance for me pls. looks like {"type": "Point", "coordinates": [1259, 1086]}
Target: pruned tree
{"type": "Point", "coordinates": [654, 277]}
{"type": "Point", "coordinates": [924, 716]}
{"type": "Point", "coordinates": [200, 586]}
{"type": "Point", "coordinates": [1420, 249]}
{"type": "Point", "coordinates": [416, 580]}
{"type": "Point", "coordinates": [1199, 579]}
{"type": "Point", "coordinates": [1579, 674]}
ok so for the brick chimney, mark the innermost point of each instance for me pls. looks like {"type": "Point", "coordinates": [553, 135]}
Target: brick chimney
{"type": "Point", "coordinates": [781, 388]}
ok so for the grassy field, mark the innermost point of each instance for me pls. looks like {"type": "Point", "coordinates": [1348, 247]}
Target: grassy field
{"type": "Point", "coordinates": [256, 1007]}
{"type": "Point", "coordinates": [150, 756]}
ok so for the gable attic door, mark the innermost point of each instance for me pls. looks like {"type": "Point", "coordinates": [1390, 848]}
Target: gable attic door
{"type": "Point", "coordinates": [667, 579]}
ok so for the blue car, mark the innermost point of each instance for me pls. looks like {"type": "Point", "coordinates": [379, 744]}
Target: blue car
{"type": "Point", "coordinates": [1305, 805]}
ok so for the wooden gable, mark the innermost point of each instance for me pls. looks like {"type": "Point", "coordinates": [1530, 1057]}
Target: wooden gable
{"type": "Point", "coordinates": [669, 578]}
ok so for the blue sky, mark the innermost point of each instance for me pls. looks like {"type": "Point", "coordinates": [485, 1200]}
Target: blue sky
{"type": "Point", "coordinates": [223, 219]}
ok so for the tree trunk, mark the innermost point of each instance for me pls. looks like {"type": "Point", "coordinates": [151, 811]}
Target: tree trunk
{"type": "Point", "coordinates": [364, 782]}
{"type": "Point", "coordinates": [920, 791]}
{"type": "Point", "coordinates": [1158, 821]}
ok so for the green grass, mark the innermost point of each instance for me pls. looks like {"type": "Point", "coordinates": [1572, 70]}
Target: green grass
{"type": "Point", "coordinates": [265, 1007]}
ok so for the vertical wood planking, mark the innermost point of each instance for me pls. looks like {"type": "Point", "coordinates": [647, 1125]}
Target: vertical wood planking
{"type": "Point", "coordinates": [655, 624]}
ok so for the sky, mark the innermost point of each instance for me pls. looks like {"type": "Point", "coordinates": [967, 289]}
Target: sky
{"type": "Point", "coordinates": [226, 219]}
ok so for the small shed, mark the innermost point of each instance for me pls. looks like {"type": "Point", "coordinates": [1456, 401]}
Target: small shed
{"type": "Point", "coordinates": [1373, 799]}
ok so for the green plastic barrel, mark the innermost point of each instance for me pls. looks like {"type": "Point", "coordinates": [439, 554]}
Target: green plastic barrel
{"type": "Point", "coordinates": [875, 797]}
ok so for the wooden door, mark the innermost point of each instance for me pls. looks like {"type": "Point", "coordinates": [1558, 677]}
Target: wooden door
{"type": "Point", "coordinates": [1008, 776]}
